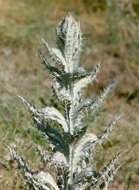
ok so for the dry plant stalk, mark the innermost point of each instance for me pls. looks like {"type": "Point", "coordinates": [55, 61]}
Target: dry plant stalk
{"type": "Point", "coordinates": [72, 145]}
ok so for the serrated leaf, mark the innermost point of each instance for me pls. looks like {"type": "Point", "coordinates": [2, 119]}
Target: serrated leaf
{"type": "Point", "coordinates": [55, 54]}
{"type": "Point", "coordinates": [62, 93]}
{"type": "Point", "coordinates": [87, 175]}
{"type": "Point", "coordinates": [53, 135]}
{"type": "Point", "coordinates": [108, 130]}
{"type": "Point", "coordinates": [109, 171]}
{"type": "Point", "coordinates": [82, 149]}
{"type": "Point", "coordinates": [44, 180]}
{"type": "Point", "coordinates": [52, 70]}
{"type": "Point", "coordinates": [38, 180]}
{"type": "Point", "coordinates": [47, 113]}
{"type": "Point", "coordinates": [82, 83]}
{"type": "Point", "coordinates": [69, 32]}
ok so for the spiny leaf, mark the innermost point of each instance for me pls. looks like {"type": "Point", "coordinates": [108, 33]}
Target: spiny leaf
{"type": "Point", "coordinates": [54, 54]}
{"type": "Point", "coordinates": [82, 149]}
{"type": "Point", "coordinates": [82, 83]}
{"type": "Point", "coordinates": [22, 164]}
{"type": "Point", "coordinates": [38, 180]}
{"type": "Point", "coordinates": [62, 93]}
{"type": "Point", "coordinates": [47, 113]}
{"type": "Point", "coordinates": [68, 31]}
{"type": "Point", "coordinates": [109, 171]}
{"type": "Point", "coordinates": [52, 70]}
{"type": "Point", "coordinates": [93, 103]}
{"type": "Point", "coordinates": [86, 175]}
{"type": "Point", "coordinates": [100, 99]}
{"type": "Point", "coordinates": [43, 181]}
{"type": "Point", "coordinates": [52, 135]}
{"type": "Point", "coordinates": [108, 130]}
{"type": "Point", "coordinates": [57, 159]}
{"type": "Point", "coordinates": [53, 114]}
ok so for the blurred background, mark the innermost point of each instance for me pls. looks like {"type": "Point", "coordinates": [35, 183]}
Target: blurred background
{"type": "Point", "coordinates": [110, 36]}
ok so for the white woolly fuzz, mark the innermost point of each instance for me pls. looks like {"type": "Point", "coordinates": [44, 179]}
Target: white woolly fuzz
{"type": "Point", "coordinates": [63, 127]}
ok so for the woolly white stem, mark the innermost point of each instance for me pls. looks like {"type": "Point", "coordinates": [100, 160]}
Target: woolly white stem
{"type": "Point", "coordinates": [71, 167]}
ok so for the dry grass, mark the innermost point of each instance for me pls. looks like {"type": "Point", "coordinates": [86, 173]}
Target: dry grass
{"type": "Point", "coordinates": [22, 25]}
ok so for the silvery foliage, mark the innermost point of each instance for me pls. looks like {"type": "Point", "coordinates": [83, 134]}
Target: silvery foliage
{"type": "Point", "coordinates": [72, 146]}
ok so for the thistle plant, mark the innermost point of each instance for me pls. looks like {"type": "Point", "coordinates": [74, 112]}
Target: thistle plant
{"type": "Point", "coordinates": [72, 144]}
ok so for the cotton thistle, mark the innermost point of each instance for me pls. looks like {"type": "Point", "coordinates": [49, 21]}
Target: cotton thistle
{"type": "Point", "coordinates": [72, 146]}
